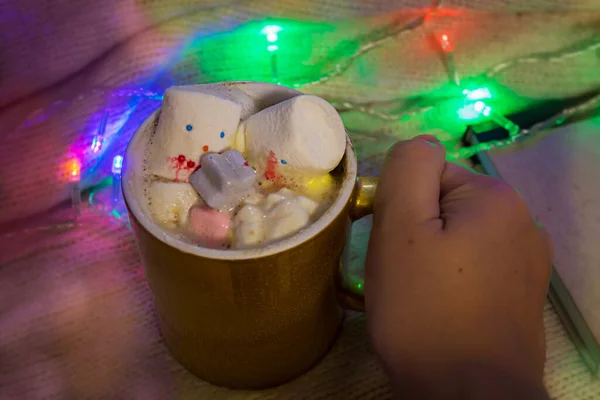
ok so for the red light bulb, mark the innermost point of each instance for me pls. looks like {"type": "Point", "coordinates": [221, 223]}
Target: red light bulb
{"type": "Point", "coordinates": [446, 44]}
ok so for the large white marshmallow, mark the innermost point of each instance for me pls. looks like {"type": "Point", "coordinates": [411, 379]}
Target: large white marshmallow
{"type": "Point", "coordinates": [305, 133]}
{"type": "Point", "coordinates": [192, 122]}
{"type": "Point", "coordinates": [170, 202]}
{"type": "Point", "coordinates": [248, 104]}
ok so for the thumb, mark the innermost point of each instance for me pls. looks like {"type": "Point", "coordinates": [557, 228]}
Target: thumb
{"type": "Point", "coordinates": [409, 189]}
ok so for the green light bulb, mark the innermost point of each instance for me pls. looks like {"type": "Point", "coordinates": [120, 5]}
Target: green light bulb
{"type": "Point", "coordinates": [479, 106]}
{"type": "Point", "coordinates": [477, 94]}
{"type": "Point", "coordinates": [271, 32]}
{"type": "Point", "coordinates": [472, 111]}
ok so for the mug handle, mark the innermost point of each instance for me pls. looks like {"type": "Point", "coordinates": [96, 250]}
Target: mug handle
{"type": "Point", "coordinates": [361, 205]}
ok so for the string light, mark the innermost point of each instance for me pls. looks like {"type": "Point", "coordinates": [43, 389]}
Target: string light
{"type": "Point", "coordinates": [552, 57]}
{"type": "Point", "coordinates": [97, 143]}
{"type": "Point", "coordinates": [447, 46]}
{"type": "Point", "coordinates": [556, 120]}
{"type": "Point", "coordinates": [477, 103]}
{"type": "Point", "coordinates": [477, 94]}
{"type": "Point", "coordinates": [98, 140]}
{"type": "Point", "coordinates": [448, 50]}
{"type": "Point", "coordinates": [474, 107]}
{"type": "Point", "coordinates": [74, 170]}
{"type": "Point", "coordinates": [117, 165]}
{"type": "Point", "coordinates": [74, 174]}
{"type": "Point", "coordinates": [472, 111]}
{"type": "Point", "coordinates": [509, 126]}
{"type": "Point", "coordinates": [379, 37]}
{"type": "Point", "coordinates": [271, 33]}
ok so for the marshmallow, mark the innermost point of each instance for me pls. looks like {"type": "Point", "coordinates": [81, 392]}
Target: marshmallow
{"type": "Point", "coordinates": [286, 194]}
{"type": "Point", "coordinates": [249, 227]}
{"type": "Point", "coordinates": [287, 213]}
{"type": "Point", "coordinates": [286, 218]}
{"type": "Point", "coordinates": [224, 179]}
{"type": "Point", "coordinates": [318, 188]}
{"type": "Point", "coordinates": [274, 198]}
{"type": "Point", "coordinates": [279, 215]}
{"type": "Point", "coordinates": [254, 198]}
{"type": "Point", "coordinates": [170, 202]}
{"type": "Point", "coordinates": [191, 123]}
{"type": "Point", "coordinates": [306, 203]}
{"type": "Point", "coordinates": [209, 226]}
{"type": "Point", "coordinates": [304, 133]}
{"type": "Point", "coordinates": [248, 104]}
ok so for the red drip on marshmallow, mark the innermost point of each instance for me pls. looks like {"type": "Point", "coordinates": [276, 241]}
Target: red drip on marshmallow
{"type": "Point", "coordinates": [271, 171]}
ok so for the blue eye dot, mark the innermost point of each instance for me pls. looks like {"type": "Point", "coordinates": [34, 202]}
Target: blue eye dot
{"type": "Point", "coordinates": [188, 127]}
{"type": "Point", "coordinates": [222, 135]}
{"type": "Point", "coordinates": [283, 162]}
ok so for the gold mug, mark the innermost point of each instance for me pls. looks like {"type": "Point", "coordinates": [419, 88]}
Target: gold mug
{"type": "Point", "coordinates": [249, 319]}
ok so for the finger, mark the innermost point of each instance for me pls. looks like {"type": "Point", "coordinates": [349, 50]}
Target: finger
{"type": "Point", "coordinates": [454, 177]}
{"type": "Point", "coordinates": [466, 193]}
{"type": "Point", "coordinates": [547, 241]}
{"type": "Point", "coordinates": [410, 181]}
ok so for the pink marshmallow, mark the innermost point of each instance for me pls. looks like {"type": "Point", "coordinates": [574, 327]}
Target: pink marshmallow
{"type": "Point", "coordinates": [211, 227]}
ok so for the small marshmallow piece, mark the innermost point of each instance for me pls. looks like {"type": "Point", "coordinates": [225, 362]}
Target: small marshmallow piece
{"type": "Point", "coordinates": [309, 205]}
{"type": "Point", "coordinates": [254, 198]}
{"type": "Point", "coordinates": [170, 202]}
{"type": "Point", "coordinates": [191, 123]}
{"type": "Point", "coordinates": [249, 213]}
{"type": "Point", "coordinates": [287, 213]}
{"type": "Point", "coordinates": [249, 227]}
{"type": "Point", "coordinates": [305, 133]}
{"type": "Point", "coordinates": [286, 194]}
{"type": "Point", "coordinates": [209, 226]}
{"type": "Point", "coordinates": [224, 179]}
{"type": "Point", "coordinates": [286, 218]}
{"type": "Point", "coordinates": [318, 188]}
{"type": "Point", "coordinates": [278, 216]}
{"type": "Point", "coordinates": [274, 198]}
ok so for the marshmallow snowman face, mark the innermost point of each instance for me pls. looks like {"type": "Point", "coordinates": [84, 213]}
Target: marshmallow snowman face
{"type": "Point", "coordinates": [192, 122]}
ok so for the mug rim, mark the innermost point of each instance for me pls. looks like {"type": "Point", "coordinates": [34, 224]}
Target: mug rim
{"type": "Point", "coordinates": [300, 237]}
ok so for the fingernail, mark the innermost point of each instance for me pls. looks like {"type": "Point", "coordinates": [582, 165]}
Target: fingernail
{"type": "Point", "coordinates": [428, 138]}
